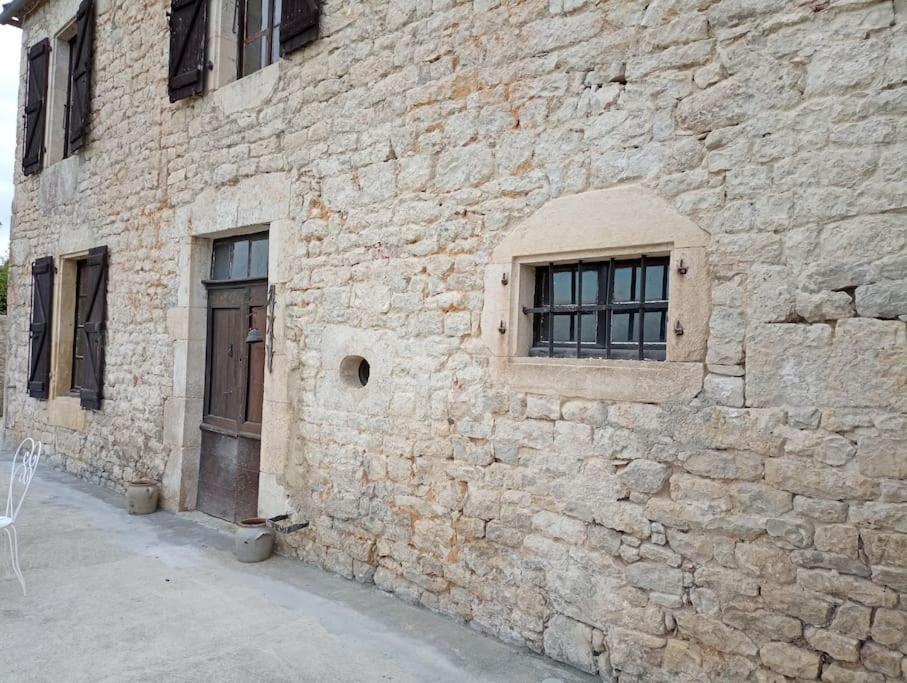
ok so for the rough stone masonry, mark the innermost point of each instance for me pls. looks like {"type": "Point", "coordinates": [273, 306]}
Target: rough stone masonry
{"type": "Point", "coordinates": [757, 531]}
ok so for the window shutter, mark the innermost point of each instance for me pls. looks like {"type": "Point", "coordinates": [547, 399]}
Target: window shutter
{"type": "Point", "coordinates": [92, 380]}
{"type": "Point", "coordinates": [42, 278]}
{"type": "Point", "coordinates": [81, 76]}
{"type": "Point", "coordinates": [35, 108]}
{"type": "Point", "coordinates": [188, 48]}
{"type": "Point", "coordinates": [299, 24]}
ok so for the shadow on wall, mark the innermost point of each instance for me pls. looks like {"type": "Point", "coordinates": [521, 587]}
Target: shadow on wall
{"type": "Point", "coordinates": [3, 352]}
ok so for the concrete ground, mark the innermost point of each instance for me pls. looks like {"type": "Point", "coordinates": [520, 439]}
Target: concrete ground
{"type": "Point", "coordinates": [119, 598]}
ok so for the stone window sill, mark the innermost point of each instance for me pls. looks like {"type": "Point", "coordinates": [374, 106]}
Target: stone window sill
{"type": "Point", "coordinates": [601, 379]}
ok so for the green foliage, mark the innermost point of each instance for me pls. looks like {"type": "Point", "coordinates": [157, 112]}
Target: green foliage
{"type": "Point", "coordinates": [4, 279]}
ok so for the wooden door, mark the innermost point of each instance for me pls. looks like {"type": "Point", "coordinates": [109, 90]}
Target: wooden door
{"type": "Point", "coordinates": [234, 389]}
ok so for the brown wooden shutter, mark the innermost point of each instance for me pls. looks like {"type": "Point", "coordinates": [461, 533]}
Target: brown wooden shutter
{"type": "Point", "coordinates": [35, 108]}
{"type": "Point", "coordinates": [42, 278]}
{"type": "Point", "coordinates": [82, 56]}
{"type": "Point", "coordinates": [92, 380]}
{"type": "Point", "coordinates": [298, 25]}
{"type": "Point", "coordinates": [188, 48]}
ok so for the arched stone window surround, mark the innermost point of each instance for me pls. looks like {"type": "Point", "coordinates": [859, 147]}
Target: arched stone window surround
{"type": "Point", "coordinates": [621, 222]}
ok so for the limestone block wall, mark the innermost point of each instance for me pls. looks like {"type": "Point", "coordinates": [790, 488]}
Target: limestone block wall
{"type": "Point", "coordinates": [756, 531]}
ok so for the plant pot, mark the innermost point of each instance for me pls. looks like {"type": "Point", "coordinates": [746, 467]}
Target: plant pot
{"type": "Point", "coordinates": [254, 541]}
{"type": "Point", "coordinates": [142, 496]}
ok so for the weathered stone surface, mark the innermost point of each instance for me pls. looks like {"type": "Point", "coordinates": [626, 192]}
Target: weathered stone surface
{"type": "Point", "coordinates": [880, 659]}
{"type": "Point", "coordinates": [889, 627]}
{"type": "Point", "coordinates": [796, 532]}
{"type": "Point", "coordinates": [390, 160]}
{"type": "Point", "coordinates": [764, 625]}
{"type": "Point", "coordinates": [814, 559]}
{"type": "Point", "coordinates": [843, 673]}
{"type": "Point", "coordinates": [724, 104]}
{"type": "Point", "coordinates": [838, 646]}
{"type": "Point", "coordinates": [790, 661]}
{"type": "Point", "coordinates": [839, 585]}
{"type": "Point", "coordinates": [570, 641]}
{"type": "Point", "coordinates": [852, 620]}
{"type": "Point", "coordinates": [820, 481]}
{"type": "Point", "coordinates": [714, 634]}
{"type": "Point", "coordinates": [724, 465]}
{"type": "Point", "coordinates": [885, 548]}
{"type": "Point", "coordinates": [882, 299]}
{"type": "Point", "coordinates": [824, 306]}
{"type": "Point", "coordinates": [724, 390]}
{"type": "Point", "coordinates": [559, 527]}
{"type": "Point", "coordinates": [645, 476]}
{"type": "Point", "coordinates": [809, 607]}
{"type": "Point", "coordinates": [883, 457]}
{"type": "Point", "coordinates": [655, 577]}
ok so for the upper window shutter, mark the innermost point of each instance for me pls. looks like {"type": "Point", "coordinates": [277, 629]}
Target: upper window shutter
{"type": "Point", "coordinates": [298, 25]}
{"type": "Point", "coordinates": [92, 380]}
{"type": "Point", "coordinates": [42, 278]}
{"type": "Point", "coordinates": [188, 48]}
{"type": "Point", "coordinates": [81, 76]}
{"type": "Point", "coordinates": [35, 107]}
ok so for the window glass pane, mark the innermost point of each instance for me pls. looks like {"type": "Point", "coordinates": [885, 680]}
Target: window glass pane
{"type": "Point", "coordinates": [256, 16]}
{"type": "Point", "coordinates": [624, 281]}
{"type": "Point", "coordinates": [653, 327]}
{"type": "Point", "coordinates": [590, 287]}
{"type": "Point", "coordinates": [254, 55]}
{"type": "Point", "coordinates": [589, 328]}
{"type": "Point", "coordinates": [623, 327]}
{"type": "Point", "coordinates": [221, 269]}
{"type": "Point", "coordinates": [275, 41]}
{"type": "Point", "coordinates": [240, 266]}
{"type": "Point", "coordinates": [563, 287]}
{"type": "Point", "coordinates": [655, 283]}
{"type": "Point", "coordinates": [563, 328]}
{"type": "Point", "coordinates": [275, 44]}
{"type": "Point", "coordinates": [258, 266]}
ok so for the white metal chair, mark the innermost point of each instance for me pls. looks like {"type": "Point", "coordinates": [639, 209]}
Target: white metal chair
{"type": "Point", "coordinates": [25, 462]}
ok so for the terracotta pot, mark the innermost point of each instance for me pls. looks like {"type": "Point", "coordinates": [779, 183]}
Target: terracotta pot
{"type": "Point", "coordinates": [254, 541]}
{"type": "Point", "coordinates": [142, 496]}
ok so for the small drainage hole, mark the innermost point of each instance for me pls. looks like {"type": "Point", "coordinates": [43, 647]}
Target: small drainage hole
{"type": "Point", "coordinates": [364, 371]}
{"type": "Point", "coordinates": [355, 371]}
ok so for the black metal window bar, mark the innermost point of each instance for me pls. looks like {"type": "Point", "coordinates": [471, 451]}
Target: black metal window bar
{"type": "Point", "coordinates": [602, 309]}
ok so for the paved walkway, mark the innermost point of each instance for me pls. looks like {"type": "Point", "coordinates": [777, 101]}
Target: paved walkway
{"type": "Point", "coordinates": [120, 598]}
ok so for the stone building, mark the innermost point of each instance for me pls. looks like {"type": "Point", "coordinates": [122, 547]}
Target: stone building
{"type": "Point", "coordinates": [581, 321]}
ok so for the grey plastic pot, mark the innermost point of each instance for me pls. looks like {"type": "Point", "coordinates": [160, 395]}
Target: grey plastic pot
{"type": "Point", "coordinates": [142, 496]}
{"type": "Point", "coordinates": [254, 541]}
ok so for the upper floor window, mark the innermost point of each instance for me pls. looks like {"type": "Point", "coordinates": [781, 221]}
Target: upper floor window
{"type": "Point", "coordinates": [259, 40]}
{"type": "Point", "coordinates": [70, 52]}
{"type": "Point", "coordinates": [604, 309]}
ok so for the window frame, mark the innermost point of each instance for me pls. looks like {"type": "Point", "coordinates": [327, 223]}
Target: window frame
{"type": "Point", "coordinates": [77, 327]}
{"type": "Point", "coordinates": [67, 103]}
{"type": "Point", "coordinates": [544, 309]}
{"type": "Point", "coordinates": [271, 33]}
{"type": "Point", "coordinates": [231, 242]}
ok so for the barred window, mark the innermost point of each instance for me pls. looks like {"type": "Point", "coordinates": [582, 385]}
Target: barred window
{"type": "Point", "coordinates": [605, 309]}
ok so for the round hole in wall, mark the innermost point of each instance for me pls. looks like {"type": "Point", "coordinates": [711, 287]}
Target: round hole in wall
{"type": "Point", "coordinates": [355, 371]}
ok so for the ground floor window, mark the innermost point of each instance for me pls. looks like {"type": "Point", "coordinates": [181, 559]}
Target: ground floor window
{"type": "Point", "coordinates": [601, 309]}
{"type": "Point", "coordinates": [80, 313]}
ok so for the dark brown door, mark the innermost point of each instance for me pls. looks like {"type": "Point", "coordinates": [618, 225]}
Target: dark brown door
{"type": "Point", "coordinates": [234, 389]}
{"type": "Point", "coordinates": [234, 378]}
